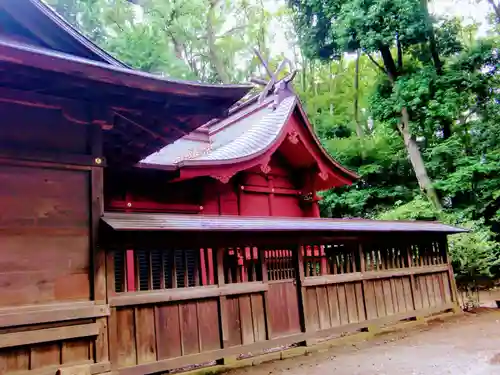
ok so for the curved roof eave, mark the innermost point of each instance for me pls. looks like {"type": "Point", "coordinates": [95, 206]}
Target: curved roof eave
{"type": "Point", "coordinates": [237, 164]}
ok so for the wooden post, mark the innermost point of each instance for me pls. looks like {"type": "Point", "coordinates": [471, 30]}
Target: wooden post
{"type": "Point", "coordinates": [299, 279]}
{"type": "Point", "coordinates": [412, 277]}
{"type": "Point", "coordinates": [262, 254]}
{"type": "Point", "coordinates": [362, 269]}
{"type": "Point", "coordinates": [451, 275]}
{"type": "Point", "coordinates": [224, 327]}
{"type": "Point", "coordinates": [98, 255]}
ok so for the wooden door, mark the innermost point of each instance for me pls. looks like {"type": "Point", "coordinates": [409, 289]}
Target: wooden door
{"type": "Point", "coordinates": [283, 303]}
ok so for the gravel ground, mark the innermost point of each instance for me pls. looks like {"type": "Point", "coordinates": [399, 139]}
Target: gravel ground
{"type": "Point", "coordinates": [468, 344]}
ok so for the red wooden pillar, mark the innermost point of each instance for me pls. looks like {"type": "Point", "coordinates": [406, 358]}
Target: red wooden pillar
{"type": "Point", "coordinates": [130, 267]}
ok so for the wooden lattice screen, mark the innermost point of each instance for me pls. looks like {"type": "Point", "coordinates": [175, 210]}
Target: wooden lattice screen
{"type": "Point", "coordinates": [140, 270]}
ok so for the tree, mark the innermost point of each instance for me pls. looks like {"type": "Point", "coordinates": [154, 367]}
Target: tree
{"type": "Point", "coordinates": [206, 40]}
{"type": "Point", "coordinates": [330, 28]}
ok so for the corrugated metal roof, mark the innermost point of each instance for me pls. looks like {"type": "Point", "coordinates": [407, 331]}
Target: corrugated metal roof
{"type": "Point", "coordinates": [174, 222]}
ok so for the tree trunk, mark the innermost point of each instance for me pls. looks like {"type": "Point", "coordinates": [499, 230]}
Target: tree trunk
{"type": "Point", "coordinates": [359, 128]}
{"type": "Point", "coordinates": [417, 161]}
{"type": "Point", "coordinates": [215, 60]}
{"type": "Point", "coordinates": [414, 153]}
{"type": "Point", "coordinates": [496, 9]}
{"type": "Point", "coordinates": [432, 38]}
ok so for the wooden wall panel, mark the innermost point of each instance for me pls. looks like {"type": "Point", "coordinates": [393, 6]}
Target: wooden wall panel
{"type": "Point", "coordinates": [283, 309]}
{"type": "Point", "coordinates": [233, 321]}
{"type": "Point", "coordinates": [44, 225]}
{"type": "Point", "coordinates": [334, 305]}
{"type": "Point", "coordinates": [254, 204]}
{"type": "Point", "coordinates": [288, 206]}
{"type": "Point", "coordinates": [259, 317]}
{"type": "Point", "coordinates": [45, 355]}
{"type": "Point", "coordinates": [125, 348]}
{"type": "Point", "coordinates": [208, 314]}
{"type": "Point", "coordinates": [145, 334]}
{"type": "Point", "coordinates": [168, 331]}
{"type": "Point", "coordinates": [189, 328]}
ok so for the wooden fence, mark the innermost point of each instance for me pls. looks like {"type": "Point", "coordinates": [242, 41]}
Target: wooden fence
{"type": "Point", "coordinates": [170, 309]}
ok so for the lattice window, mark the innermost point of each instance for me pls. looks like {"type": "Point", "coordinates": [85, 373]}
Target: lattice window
{"type": "Point", "coordinates": [141, 270]}
{"type": "Point", "coordinates": [119, 266]}
{"type": "Point", "coordinates": [241, 264]}
{"type": "Point", "coordinates": [279, 264]}
{"type": "Point", "coordinates": [331, 259]}
{"type": "Point", "coordinates": [427, 254]}
{"type": "Point", "coordinates": [385, 256]}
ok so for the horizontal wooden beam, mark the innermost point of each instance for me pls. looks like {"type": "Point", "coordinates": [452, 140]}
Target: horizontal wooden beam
{"type": "Point", "coordinates": [183, 294]}
{"type": "Point", "coordinates": [59, 312]}
{"type": "Point", "coordinates": [95, 368]}
{"type": "Point", "coordinates": [8, 340]}
{"type": "Point", "coordinates": [372, 275]}
{"type": "Point", "coordinates": [168, 364]}
{"type": "Point", "coordinates": [267, 190]}
{"type": "Point", "coordinates": [154, 206]}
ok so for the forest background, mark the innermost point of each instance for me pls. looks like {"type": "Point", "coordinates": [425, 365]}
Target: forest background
{"type": "Point", "coordinates": [406, 98]}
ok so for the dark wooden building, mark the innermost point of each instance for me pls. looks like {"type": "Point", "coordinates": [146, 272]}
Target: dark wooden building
{"type": "Point", "coordinates": [147, 224]}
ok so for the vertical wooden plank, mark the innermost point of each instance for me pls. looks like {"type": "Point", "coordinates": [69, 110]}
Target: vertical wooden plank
{"type": "Point", "coordinates": [323, 309]}
{"type": "Point", "coordinates": [145, 334]}
{"type": "Point", "coordinates": [311, 306]}
{"type": "Point", "coordinates": [168, 336]}
{"type": "Point", "coordinates": [293, 311]}
{"type": "Point", "coordinates": [246, 321]}
{"type": "Point", "coordinates": [344, 315]}
{"type": "Point", "coordinates": [258, 315]}
{"type": "Point", "coordinates": [74, 351]}
{"type": "Point", "coordinates": [379, 298]}
{"type": "Point", "coordinates": [430, 290]}
{"type": "Point", "coordinates": [352, 308]}
{"type": "Point", "coordinates": [398, 305]}
{"type": "Point", "coordinates": [360, 301]}
{"type": "Point", "coordinates": [408, 300]}
{"type": "Point", "coordinates": [400, 293]}
{"type": "Point", "coordinates": [370, 301]}
{"type": "Point", "coordinates": [389, 302]}
{"type": "Point", "coordinates": [113, 337]}
{"type": "Point", "coordinates": [233, 321]}
{"type": "Point", "coordinates": [333, 305]}
{"type": "Point", "coordinates": [14, 360]}
{"type": "Point", "coordinates": [439, 288]}
{"type": "Point", "coordinates": [423, 289]}
{"type": "Point", "coordinates": [101, 342]}
{"type": "Point", "coordinates": [208, 321]}
{"type": "Point", "coordinates": [44, 355]}
{"type": "Point", "coordinates": [125, 332]}
{"type": "Point", "coordinates": [189, 328]}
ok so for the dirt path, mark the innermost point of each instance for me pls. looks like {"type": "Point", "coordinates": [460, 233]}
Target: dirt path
{"type": "Point", "coordinates": [465, 345]}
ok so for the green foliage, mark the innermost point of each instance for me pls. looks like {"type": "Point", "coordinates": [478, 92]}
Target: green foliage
{"type": "Point", "coordinates": [475, 255]}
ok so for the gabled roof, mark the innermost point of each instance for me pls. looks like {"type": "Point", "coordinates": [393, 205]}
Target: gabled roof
{"type": "Point", "coordinates": [142, 112]}
{"type": "Point", "coordinates": [248, 137]}
{"type": "Point", "coordinates": [39, 25]}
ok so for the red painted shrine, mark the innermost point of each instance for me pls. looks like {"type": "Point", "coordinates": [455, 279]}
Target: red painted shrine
{"type": "Point", "coordinates": [148, 224]}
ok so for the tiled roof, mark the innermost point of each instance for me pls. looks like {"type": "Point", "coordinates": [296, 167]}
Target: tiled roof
{"type": "Point", "coordinates": [174, 222]}
{"type": "Point", "coordinates": [258, 137]}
